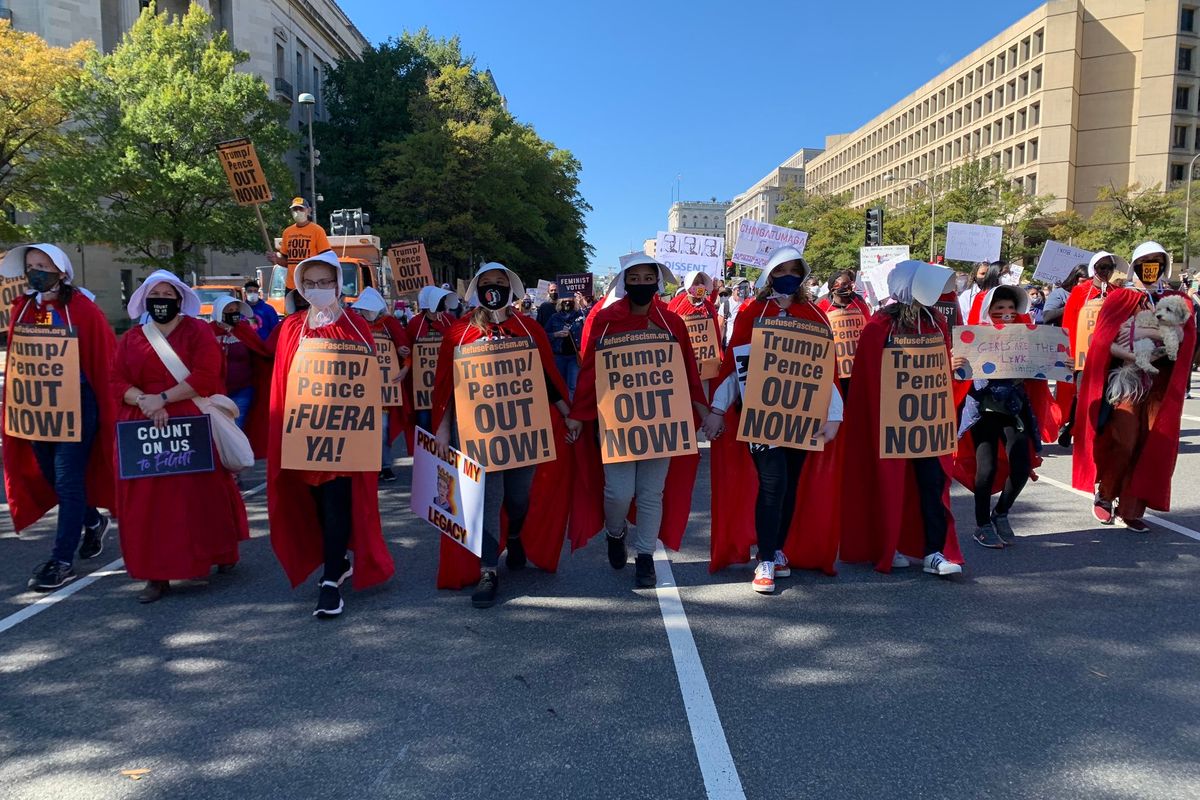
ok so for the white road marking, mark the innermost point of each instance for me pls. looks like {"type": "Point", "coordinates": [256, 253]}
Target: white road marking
{"type": "Point", "coordinates": [1157, 520]}
{"type": "Point", "coordinates": [721, 781]}
{"type": "Point", "coordinates": [1191, 418]}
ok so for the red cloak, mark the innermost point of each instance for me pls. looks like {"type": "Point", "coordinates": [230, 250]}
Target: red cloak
{"type": "Point", "coordinates": [886, 515]}
{"type": "Point", "coordinates": [1151, 476]}
{"type": "Point", "coordinates": [295, 528]}
{"type": "Point", "coordinates": [258, 420]}
{"type": "Point", "coordinates": [812, 540]}
{"type": "Point", "coordinates": [400, 418]}
{"type": "Point", "coordinates": [546, 525]}
{"type": "Point", "coordinates": [423, 324]}
{"type": "Point", "coordinates": [1064, 393]}
{"type": "Point", "coordinates": [587, 505]}
{"type": "Point", "coordinates": [29, 495]}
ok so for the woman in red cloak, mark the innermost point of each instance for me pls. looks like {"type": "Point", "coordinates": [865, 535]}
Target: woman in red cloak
{"type": "Point", "coordinates": [908, 513]}
{"type": "Point", "coordinates": [245, 368]}
{"type": "Point", "coordinates": [317, 517]}
{"type": "Point", "coordinates": [771, 482]}
{"type": "Point", "coordinates": [538, 539]}
{"type": "Point", "coordinates": [431, 323]}
{"type": "Point", "coordinates": [695, 303]}
{"type": "Point", "coordinates": [173, 527]}
{"type": "Point", "coordinates": [75, 476]}
{"type": "Point", "coordinates": [603, 493]}
{"type": "Point", "coordinates": [843, 298]}
{"type": "Point", "coordinates": [396, 419]}
{"type": "Point", "coordinates": [1100, 269]}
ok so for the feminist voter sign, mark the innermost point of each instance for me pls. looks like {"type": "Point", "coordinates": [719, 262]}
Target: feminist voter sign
{"type": "Point", "coordinates": [448, 494]}
{"type": "Point", "coordinates": [245, 174]}
{"type": "Point", "coordinates": [1089, 315]}
{"type": "Point", "coordinates": [642, 397]}
{"type": "Point", "coordinates": [705, 346]}
{"type": "Point", "coordinates": [331, 418]}
{"type": "Point", "coordinates": [916, 408]}
{"type": "Point", "coordinates": [182, 446]}
{"type": "Point", "coordinates": [787, 372]}
{"type": "Point", "coordinates": [410, 267]}
{"type": "Point", "coordinates": [389, 368]}
{"type": "Point", "coordinates": [424, 369]}
{"type": "Point", "coordinates": [1037, 352]}
{"type": "Point", "coordinates": [568, 285]}
{"type": "Point", "coordinates": [42, 385]}
{"type": "Point", "coordinates": [503, 411]}
{"type": "Point", "coordinates": [847, 325]}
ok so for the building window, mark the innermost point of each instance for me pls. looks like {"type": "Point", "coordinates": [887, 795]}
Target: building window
{"type": "Point", "coordinates": [1031, 184]}
{"type": "Point", "coordinates": [1008, 125]}
{"type": "Point", "coordinates": [1022, 115]}
{"type": "Point", "coordinates": [1032, 150]}
{"type": "Point", "coordinates": [1037, 78]}
{"type": "Point", "coordinates": [1187, 20]}
{"type": "Point", "coordinates": [1180, 137]}
{"type": "Point", "coordinates": [1024, 86]}
{"type": "Point", "coordinates": [1019, 154]}
{"type": "Point", "coordinates": [991, 71]}
{"type": "Point", "coordinates": [1038, 42]}
{"type": "Point", "coordinates": [1183, 98]}
{"type": "Point", "coordinates": [1185, 59]}
{"type": "Point", "coordinates": [1198, 138]}
{"type": "Point", "coordinates": [1000, 64]}
{"type": "Point", "coordinates": [1008, 158]}
{"type": "Point", "coordinates": [1177, 171]}
{"type": "Point", "coordinates": [1025, 50]}
{"type": "Point", "coordinates": [1035, 114]}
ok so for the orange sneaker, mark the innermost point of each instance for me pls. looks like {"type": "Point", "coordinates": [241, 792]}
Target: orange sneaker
{"type": "Point", "coordinates": [764, 578]}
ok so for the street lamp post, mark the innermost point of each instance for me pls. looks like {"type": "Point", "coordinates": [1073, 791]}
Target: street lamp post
{"type": "Point", "coordinates": [1187, 213]}
{"type": "Point", "coordinates": [310, 102]}
{"type": "Point", "coordinates": [932, 209]}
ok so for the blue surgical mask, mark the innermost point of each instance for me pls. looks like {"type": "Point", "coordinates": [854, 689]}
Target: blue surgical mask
{"type": "Point", "coordinates": [786, 284]}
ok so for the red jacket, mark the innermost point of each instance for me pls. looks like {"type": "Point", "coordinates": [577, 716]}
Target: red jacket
{"type": "Point", "coordinates": [261, 358]}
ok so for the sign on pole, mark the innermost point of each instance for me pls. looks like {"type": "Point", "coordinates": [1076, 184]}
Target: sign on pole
{"type": "Point", "coordinates": [685, 252]}
{"type": "Point", "coordinates": [410, 267]}
{"type": "Point", "coordinates": [757, 240]}
{"type": "Point", "coordinates": [448, 494]}
{"type": "Point", "coordinates": [973, 243]}
{"type": "Point", "coordinates": [884, 254]}
{"type": "Point", "coordinates": [1038, 352]}
{"type": "Point", "coordinates": [246, 178]}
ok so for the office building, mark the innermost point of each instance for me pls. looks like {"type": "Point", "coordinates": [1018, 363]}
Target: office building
{"type": "Point", "coordinates": [761, 201]}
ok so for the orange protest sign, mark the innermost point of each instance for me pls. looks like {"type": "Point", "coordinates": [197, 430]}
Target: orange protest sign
{"type": "Point", "coordinates": [410, 267]}
{"type": "Point", "coordinates": [424, 370]}
{"type": "Point", "coordinates": [705, 345]}
{"type": "Point", "coordinates": [389, 370]}
{"type": "Point", "coordinates": [502, 408]}
{"type": "Point", "coordinates": [916, 408]}
{"type": "Point", "coordinates": [42, 385]}
{"type": "Point", "coordinates": [331, 414]}
{"type": "Point", "coordinates": [642, 397]}
{"type": "Point", "coordinates": [847, 325]}
{"type": "Point", "coordinates": [244, 173]}
{"type": "Point", "coordinates": [1088, 316]}
{"type": "Point", "coordinates": [786, 373]}
{"type": "Point", "coordinates": [10, 290]}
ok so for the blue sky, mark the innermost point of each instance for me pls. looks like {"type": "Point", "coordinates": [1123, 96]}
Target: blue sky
{"type": "Point", "coordinates": [717, 92]}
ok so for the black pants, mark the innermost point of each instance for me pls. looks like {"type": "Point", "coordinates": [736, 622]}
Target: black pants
{"type": "Point", "coordinates": [778, 475]}
{"type": "Point", "coordinates": [988, 433]}
{"type": "Point", "coordinates": [334, 512]}
{"type": "Point", "coordinates": [931, 484]}
{"type": "Point", "coordinates": [844, 383]}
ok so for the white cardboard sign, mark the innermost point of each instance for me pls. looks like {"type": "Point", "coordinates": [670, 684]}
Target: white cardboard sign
{"type": "Point", "coordinates": [973, 243]}
{"type": "Point", "coordinates": [448, 494]}
{"type": "Point", "coordinates": [684, 252]}
{"type": "Point", "coordinates": [1057, 261]}
{"type": "Point", "coordinates": [757, 240]}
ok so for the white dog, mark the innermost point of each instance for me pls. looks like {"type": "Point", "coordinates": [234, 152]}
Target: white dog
{"type": "Point", "coordinates": [1155, 334]}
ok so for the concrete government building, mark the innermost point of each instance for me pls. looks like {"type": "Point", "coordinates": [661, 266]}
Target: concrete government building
{"type": "Point", "coordinates": [1076, 95]}
{"type": "Point", "coordinates": [700, 217]}
{"type": "Point", "coordinates": [761, 201]}
{"type": "Point", "coordinates": [291, 44]}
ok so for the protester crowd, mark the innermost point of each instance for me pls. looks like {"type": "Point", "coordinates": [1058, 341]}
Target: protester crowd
{"type": "Point", "coordinates": [1120, 416]}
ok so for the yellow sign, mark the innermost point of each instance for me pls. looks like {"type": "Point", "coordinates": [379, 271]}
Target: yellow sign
{"type": "Point", "coordinates": [706, 346]}
{"type": "Point", "coordinates": [389, 368]}
{"type": "Point", "coordinates": [1089, 315]}
{"type": "Point", "coordinates": [244, 173]}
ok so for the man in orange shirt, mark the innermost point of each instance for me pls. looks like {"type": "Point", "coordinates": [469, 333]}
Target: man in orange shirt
{"type": "Point", "coordinates": [302, 240]}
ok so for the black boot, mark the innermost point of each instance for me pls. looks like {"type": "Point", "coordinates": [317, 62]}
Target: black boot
{"type": "Point", "coordinates": [617, 554]}
{"type": "Point", "coordinates": [643, 576]}
{"type": "Point", "coordinates": [515, 558]}
{"type": "Point", "coordinates": [485, 590]}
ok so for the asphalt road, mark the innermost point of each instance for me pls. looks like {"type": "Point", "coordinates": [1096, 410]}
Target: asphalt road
{"type": "Point", "coordinates": [1067, 666]}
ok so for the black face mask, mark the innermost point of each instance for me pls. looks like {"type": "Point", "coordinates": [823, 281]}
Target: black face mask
{"type": "Point", "coordinates": [232, 320]}
{"type": "Point", "coordinates": [569, 307]}
{"type": "Point", "coordinates": [493, 297]}
{"type": "Point", "coordinates": [979, 282]}
{"type": "Point", "coordinates": [41, 281]}
{"type": "Point", "coordinates": [642, 293]}
{"type": "Point", "coordinates": [552, 295]}
{"type": "Point", "coordinates": [163, 309]}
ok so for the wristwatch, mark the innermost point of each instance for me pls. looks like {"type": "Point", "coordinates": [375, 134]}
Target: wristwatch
{"type": "Point", "coordinates": [163, 395]}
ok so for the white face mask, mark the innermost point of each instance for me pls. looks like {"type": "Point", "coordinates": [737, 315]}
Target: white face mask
{"type": "Point", "coordinates": [300, 216]}
{"type": "Point", "coordinates": [320, 299]}
{"type": "Point", "coordinates": [252, 297]}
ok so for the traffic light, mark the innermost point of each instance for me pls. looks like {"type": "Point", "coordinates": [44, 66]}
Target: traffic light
{"type": "Point", "coordinates": [361, 222]}
{"type": "Point", "coordinates": [874, 227]}
{"type": "Point", "coordinates": [349, 222]}
{"type": "Point", "coordinates": [337, 222]}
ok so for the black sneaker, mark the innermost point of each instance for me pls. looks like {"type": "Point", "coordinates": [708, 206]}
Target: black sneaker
{"type": "Point", "coordinates": [643, 575]}
{"type": "Point", "coordinates": [515, 558]}
{"type": "Point", "coordinates": [1064, 436]}
{"type": "Point", "coordinates": [329, 600]}
{"type": "Point", "coordinates": [485, 592]}
{"type": "Point", "coordinates": [386, 475]}
{"type": "Point", "coordinates": [51, 575]}
{"type": "Point", "coordinates": [617, 554]}
{"type": "Point", "coordinates": [1003, 529]}
{"type": "Point", "coordinates": [93, 539]}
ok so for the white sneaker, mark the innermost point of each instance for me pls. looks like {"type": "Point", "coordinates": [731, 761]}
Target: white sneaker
{"type": "Point", "coordinates": [782, 570]}
{"type": "Point", "coordinates": [900, 561]}
{"type": "Point", "coordinates": [936, 564]}
{"type": "Point", "coordinates": [764, 578]}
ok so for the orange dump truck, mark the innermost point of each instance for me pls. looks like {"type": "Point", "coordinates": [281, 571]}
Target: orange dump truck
{"type": "Point", "coordinates": [363, 265]}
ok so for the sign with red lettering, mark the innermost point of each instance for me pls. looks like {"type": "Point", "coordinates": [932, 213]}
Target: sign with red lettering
{"type": "Point", "coordinates": [448, 494]}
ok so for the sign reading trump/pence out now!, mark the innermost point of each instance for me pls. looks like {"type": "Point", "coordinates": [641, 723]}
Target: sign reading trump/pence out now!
{"type": "Point", "coordinates": [706, 346]}
{"type": "Point", "coordinates": [331, 416]}
{"type": "Point", "coordinates": [42, 401]}
{"type": "Point", "coordinates": [786, 373]}
{"type": "Point", "coordinates": [389, 368]}
{"type": "Point", "coordinates": [1089, 315]}
{"type": "Point", "coordinates": [503, 411]}
{"type": "Point", "coordinates": [916, 407]}
{"type": "Point", "coordinates": [410, 267]}
{"type": "Point", "coordinates": [424, 369]}
{"type": "Point", "coordinates": [642, 397]}
{"type": "Point", "coordinates": [244, 172]}
{"type": "Point", "coordinates": [847, 325]}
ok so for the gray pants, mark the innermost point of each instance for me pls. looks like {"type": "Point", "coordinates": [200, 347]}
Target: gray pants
{"type": "Point", "coordinates": [508, 489]}
{"type": "Point", "coordinates": [643, 480]}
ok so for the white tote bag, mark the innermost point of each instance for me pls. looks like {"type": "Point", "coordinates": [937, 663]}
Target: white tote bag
{"type": "Point", "coordinates": [232, 445]}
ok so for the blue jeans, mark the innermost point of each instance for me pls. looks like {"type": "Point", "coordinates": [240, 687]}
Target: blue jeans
{"type": "Point", "coordinates": [425, 420]}
{"type": "Point", "coordinates": [64, 466]}
{"type": "Point", "coordinates": [244, 398]}
{"type": "Point", "coordinates": [568, 367]}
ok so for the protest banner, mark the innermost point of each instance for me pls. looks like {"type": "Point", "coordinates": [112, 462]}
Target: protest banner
{"type": "Point", "coordinates": [1038, 352]}
{"type": "Point", "coordinates": [184, 445]}
{"type": "Point", "coordinates": [1057, 261]}
{"type": "Point", "coordinates": [246, 178]}
{"type": "Point", "coordinates": [684, 252]}
{"type": "Point", "coordinates": [1086, 327]}
{"type": "Point", "coordinates": [786, 374]}
{"type": "Point", "coordinates": [410, 268]}
{"type": "Point", "coordinates": [390, 365]}
{"type": "Point", "coordinates": [1013, 276]}
{"type": "Point", "coordinates": [916, 405]}
{"type": "Point", "coordinates": [874, 256]}
{"type": "Point", "coordinates": [875, 276]}
{"type": "Point", "coordinates": [10, 290]}
{"type": "Point", "coordinates": [424, 369]}
{"type": "Point", "coordinates": [331, 415]}
{"type": "Point", "coordinates": [568, 285]}
{"type": "Point", "coordinates": [847, 324]}
{"type": "Point", "coordinates": [448, 494]}
{"type": "Point", "coordinates": [42, 400]}
{"type": "Point", "coordinates": [543, 287]}
{"type": "Point", "coordinates": [503, 411]}
{"type": "Point", "coordinates": [757, 240]}
{"type": "Point", "coordinates": [642, 396]}
{"type": "Point", "coordinates": [706, 345]}
{"type": "Point", "coordinates": [974, 243]}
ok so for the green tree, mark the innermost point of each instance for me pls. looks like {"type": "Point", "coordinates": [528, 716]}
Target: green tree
{"type": "Point", "coordinates": [1131, 215]}
{"type": "Point", "coordinates": [141, 174]}
{"type": "Point", "coordinates": [835, 229]}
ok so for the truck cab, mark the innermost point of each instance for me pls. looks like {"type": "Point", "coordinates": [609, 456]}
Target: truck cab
{"type": "Point", "coordinates": [214, 286]}
{"type": "Point", "coordinates": [363, 265]}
